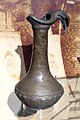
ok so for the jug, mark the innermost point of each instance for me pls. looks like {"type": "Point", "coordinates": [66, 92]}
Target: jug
{"type": "Point", "coordinates": [39, 89]}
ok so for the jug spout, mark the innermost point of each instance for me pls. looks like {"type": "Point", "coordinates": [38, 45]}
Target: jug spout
{"type": "Point", "coordinates": [50, 18]}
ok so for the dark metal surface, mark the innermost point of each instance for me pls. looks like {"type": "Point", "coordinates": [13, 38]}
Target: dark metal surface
{"type": "Point", "coordinates": [39, 89]}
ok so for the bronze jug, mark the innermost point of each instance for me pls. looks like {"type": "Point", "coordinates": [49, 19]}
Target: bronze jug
{"type": "Point", "coordinates": [39, 89]}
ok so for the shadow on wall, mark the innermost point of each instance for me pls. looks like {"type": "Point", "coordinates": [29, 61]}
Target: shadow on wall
{"type": "Point", "coordinates": [17, 107]}
{"type": "Point", "coordinates": [25, 53]}
{"type": "Point", "coordinates": [13, 102]}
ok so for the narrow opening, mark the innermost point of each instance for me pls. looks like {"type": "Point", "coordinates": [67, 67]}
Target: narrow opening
{"type": "Point", "coordinates": [48, 16]}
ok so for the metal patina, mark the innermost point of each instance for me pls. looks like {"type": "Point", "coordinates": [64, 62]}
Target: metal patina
{"type": "Point", "coordinates": [39, 89]}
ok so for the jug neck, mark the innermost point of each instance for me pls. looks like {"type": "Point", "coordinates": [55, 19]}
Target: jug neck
{"type": "Point", "coordinates": [40, 50]}
{"type": "Point", "coordinates": [40, 30]}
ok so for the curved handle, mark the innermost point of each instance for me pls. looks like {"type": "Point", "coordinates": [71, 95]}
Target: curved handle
{"type": "Point", "coordinates": [50, 18]}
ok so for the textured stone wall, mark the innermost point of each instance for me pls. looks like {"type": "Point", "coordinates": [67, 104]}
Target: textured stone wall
{"type": "Point", "coordinates": [15, 35]}
{"type": "Point", "coordinates": [70, 42]}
